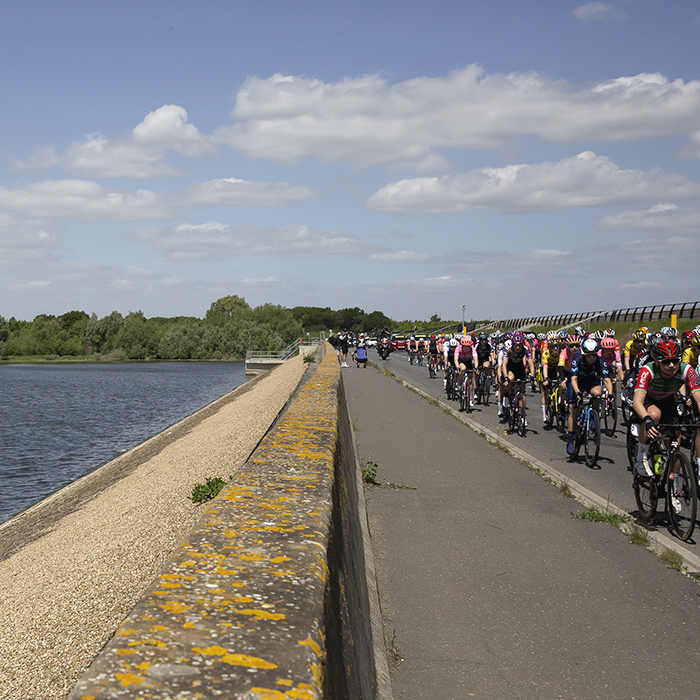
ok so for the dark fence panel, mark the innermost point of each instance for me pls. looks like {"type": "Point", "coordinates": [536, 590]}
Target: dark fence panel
{"type": "Point", "coordinates": [688, 309]}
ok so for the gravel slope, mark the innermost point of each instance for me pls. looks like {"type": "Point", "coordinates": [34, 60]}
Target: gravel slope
{"type": "Point", "coordinates": [75, 564]}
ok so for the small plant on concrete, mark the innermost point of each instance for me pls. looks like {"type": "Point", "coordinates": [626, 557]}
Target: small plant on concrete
{"type": "Point", "coordinates": [369, 472]}
{"type": "Point", "coordinates": [565, 489]}
{"type": "Point", "coordinates": [596, 515]}
{"type": "Point", "coordinates": [672, 559]}
{"type": "Point", "coordinates": [207, 491]}
{"type": "Point", "coordinates": [639, 535]}
{"type": "Point", "coordinates": [308, 359]}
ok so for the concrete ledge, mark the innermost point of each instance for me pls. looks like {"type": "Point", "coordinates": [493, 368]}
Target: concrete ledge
{"type": "Point", "coordinates": [267, 599]}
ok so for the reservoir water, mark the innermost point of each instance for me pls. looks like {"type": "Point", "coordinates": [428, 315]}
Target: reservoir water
{"type": "Point", "coordinates": [60, 422]}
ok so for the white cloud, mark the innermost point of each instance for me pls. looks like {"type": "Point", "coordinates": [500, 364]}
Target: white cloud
{"type": "Point", "coordinates": [661, 217]}
{"type": "Point", "coordinates": [596, 10]}
{"type": "Point", "coordinates": [582, 181]}
{"type": "Point", "coordinates": [641, 285]}
{"type": "Point", "coordinates": [216, 241]}
{"type": "Point", "coordinates": [368, 121]}
{"type": "Point", "coordinates": [81, 200]}
{"type": "Point", "coordinates": [84, 200]}
{"type": "Point", "coordinates": [262, 280]}
{"type": "Point", "coordinates": [400, 256]}
{"type": "Point", "coordinates": [240, 193]}
{"type": "Point", "coordinates": [139, 155]}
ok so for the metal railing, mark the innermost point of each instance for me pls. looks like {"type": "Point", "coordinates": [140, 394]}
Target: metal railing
{"type": "Point", "coordinates": [286, 354]}
{"type": "Point", "coordinates": [657, 312]}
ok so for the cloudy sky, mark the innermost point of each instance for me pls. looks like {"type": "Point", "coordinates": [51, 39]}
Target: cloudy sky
{"type": "Point", "coordinates": [410, 157]}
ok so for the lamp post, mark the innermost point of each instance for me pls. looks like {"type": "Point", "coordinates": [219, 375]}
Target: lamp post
{"type": "Point", "coordinates": [464, 328]}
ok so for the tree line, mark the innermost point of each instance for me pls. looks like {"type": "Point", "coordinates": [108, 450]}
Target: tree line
{"type": "Point", "coordinates": [229, 328]}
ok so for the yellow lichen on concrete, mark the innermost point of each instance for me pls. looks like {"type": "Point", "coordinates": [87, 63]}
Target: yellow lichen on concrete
{"type": "Point", "coordinates": [257, 536]}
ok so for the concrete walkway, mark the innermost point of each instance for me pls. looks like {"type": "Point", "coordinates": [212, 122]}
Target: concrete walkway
{"type": "Point", "coordinates": [490, 588]}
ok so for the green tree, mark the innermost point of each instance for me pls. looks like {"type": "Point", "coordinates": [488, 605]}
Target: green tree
{"type": "Point", "coordinates": [228, 308]}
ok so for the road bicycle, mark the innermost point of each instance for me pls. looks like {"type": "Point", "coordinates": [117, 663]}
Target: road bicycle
{"type": "Point", "coordinates": [517, 420]}
{"type": "Point", "coordinates": [466, 393]}
{"type": "Point", "coordinates": [587, 432]}
{"type": "Point", "coordinates": [556, 406]}
{"type": "Point", "coordinates": [432, 366]}
{"type": "Point", "coordinates": [450, 383]}
{"type": "Point", "coordinates": [608, 410]}
{"type": "Point", "coordinates": [483, 386]}
{"type": "Point", "coordinates": [420, 358]}
{"type": "Point", "coordinates": [673, 481]}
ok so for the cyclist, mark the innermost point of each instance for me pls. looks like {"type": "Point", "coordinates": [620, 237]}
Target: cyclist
{"type": "Point", "coordinates": [610, 354]}
{"type": "Point", "coordinates": [690, 354]}
{"type": "Point", "coordinates": [465, 359]}
{"type": "Point", "coordinates": [655, 397]}
{"type": "Point", "coordinates": [550, 364]}
{"type": "Point", "coordinates": [448, 357]}
{"type": "Point", "coordinates": [585, 375]}
{"type": "Point", "coordinates": [566, 360]}
{"type": "Point", "coordinates": [633, 348]}
{"type": "Point", "coordinates": [412, 348]}
{"type": "Point", "coordinates": [484, 354]}
{"type": "Point", "coordinates": [516, 360]}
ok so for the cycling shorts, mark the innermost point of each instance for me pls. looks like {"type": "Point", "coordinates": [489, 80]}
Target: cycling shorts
{"type": "Point", "coordinates": [518, 370]}
{"type": "Point", "coordinates": [667, 406]}
{"type": "Point", "coordinates": [584, 384]}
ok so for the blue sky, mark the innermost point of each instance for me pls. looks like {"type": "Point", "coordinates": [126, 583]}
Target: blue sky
{"type": "Point", "coordinates": [518, 157]}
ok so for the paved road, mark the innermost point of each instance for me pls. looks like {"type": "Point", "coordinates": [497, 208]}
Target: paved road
{"type": "Point", "coordinates": [490, 588]}
{"type": "Point", "coordinates": [611, 479]}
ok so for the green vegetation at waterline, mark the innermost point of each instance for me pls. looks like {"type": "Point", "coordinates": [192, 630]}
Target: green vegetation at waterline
{"type": "Point", "coordinates": [229, 328]}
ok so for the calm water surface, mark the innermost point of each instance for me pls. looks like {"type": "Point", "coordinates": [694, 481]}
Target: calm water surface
{"type": "Point", "coordinates": [59, 422]}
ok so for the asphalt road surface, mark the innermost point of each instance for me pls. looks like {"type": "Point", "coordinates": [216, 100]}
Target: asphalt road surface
{"type": "Point", "coordinates": [610, 479]}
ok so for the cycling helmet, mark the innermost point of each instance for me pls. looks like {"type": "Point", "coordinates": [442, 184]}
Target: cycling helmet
{"type": "Point", "coordinates": [573, 340]}
{"type": "Point", "coordinates": [608, 343]}
{"type": "Point", "coordinates": [508, 344]}
{"type": "Point", "coordinates": [453, 343]}
{"type": "Point", "coordinates": [610, 332]}
{"type": "Point", "coordinates": [644, 330]}
{"type": "Point", "coordinates": [668, 349]}
{"type": "Point", "coordinates": [518, 338]}
{"type": "Point", "coordinates": [687, 336]}
{"type": "Point", "coordinates": [672, 333]}
{"type": "Point", "coordinates": [579, 330]}
{"type": "Point", "coordinates": [563, 335]}
{"type": "Point", "coordinates": [598, 335]}
{"type": "Point", "coordinates": [541, 336]}
{"type": "Point", "coordinates": [639, 336]}
{"type": "Point", "coordinates": [483, 336]}
{"type": "Point", "coordinates": [552, 335]}
{"type": "Point", "coordinates": [466, 340]}
{"type": "Point", "coordinates": [589, 346]}
{"type": "Point", "coordinates": [667, 330]}
{"type": "Point", "coordinates": [696, 340]}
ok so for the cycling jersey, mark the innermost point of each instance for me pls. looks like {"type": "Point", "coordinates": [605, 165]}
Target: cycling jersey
{"type": "Point", "coordinates": [483, 351]}
{"type": "Point", "coordinates": [631, 350]}
{"type": "Point", "coordinates": [690, 356]}
{"type": "Point", "coordinates": [658, 388]}
{"type": "Point", "coordinates": [465, 355]}
{"type": "Point", "coordinates": [566, 359]}
{"type": "Point", "coordinates": [549, 358]}
{"type": "Point", "coordinates": [581, 367]}
{"type": "Point", "coordinates": [610, 358]}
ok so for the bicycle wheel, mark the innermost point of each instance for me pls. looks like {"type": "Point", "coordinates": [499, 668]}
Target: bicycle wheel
{"type": "Point", "coordinates": [646, 495]}
{"type": "Point", "coordinates": [512, 418]}
{"type": "Point", "coordinates": [612, 414]}
{"type": "Point", "coordinates": [631, 446]}
{"type": "Point", "coordinates": [626, 411]}
{"type": "Point", "coordinates": [522, 426]}
{"type": "Point", "coordinates": [591, 438]}
{"type": "Point", "coordinates": [683, 508]}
